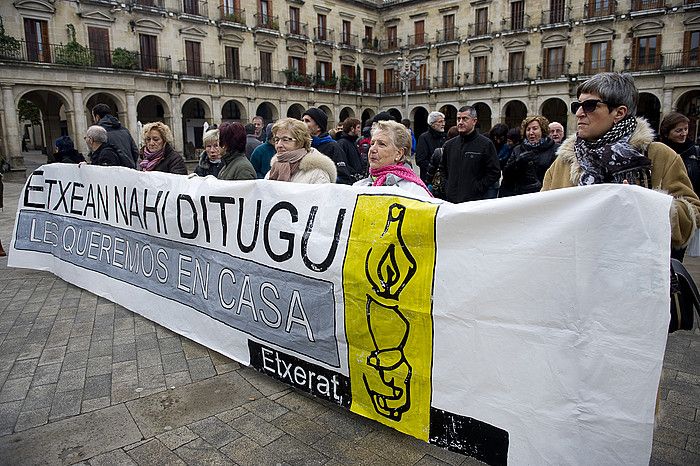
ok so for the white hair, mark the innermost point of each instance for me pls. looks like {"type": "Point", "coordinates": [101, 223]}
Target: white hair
{"type": "Point", "coordinates": [97, 134]}
{"type": "Point", "coordinates": [435, 116]}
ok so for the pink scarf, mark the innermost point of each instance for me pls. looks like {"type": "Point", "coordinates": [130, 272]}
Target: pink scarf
{"type": "Point", "coordinates": [379, 175]}
{"type": "Point", "coordinates": [151, 159]}
{"type": "Point", "coordinates": [287, 164]}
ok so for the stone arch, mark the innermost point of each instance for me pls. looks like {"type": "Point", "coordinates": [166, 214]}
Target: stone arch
{"type": "Point", "coordinates": [56, 118]}
{"type": "Point", "coordinates": [233, 110]}
{"type": "Point", "coordinates": [195, 112]}
{"type": "Point", "coordinates": [295, 111]}
{"type": "Point", "coordinates": [152, 108]}
{"type": "Point", "coordinates": [649, 107]}
{"type": "Point", "coordinates": [395, 114]}
{"type": "Point", "coordinates": [419, 119]}
{"type": "Point", "coordinates": [555, 109]}
{"type": "Point", "coordinates": [345, 113]}
{"type": "Point", "coordinates": [484, 117]}
{"type": "Point", "coordinates": [115, 103]}
{"type": "Point", "coordinates": [331, 118]}
{"type": "Point", "coordinates": [367, 115]}
{"type": "Point", "coordinates": [689, 105]}
{"type": "Point", "coordinates": [268, 111]}
{"type": "Point", "coordinates": [514, 112]}
{"type": "Point", "coordinates": [450, 112]}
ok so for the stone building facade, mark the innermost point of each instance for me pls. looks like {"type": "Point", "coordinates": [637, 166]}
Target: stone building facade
{"type": "Point", "coordinates": [189, 61]}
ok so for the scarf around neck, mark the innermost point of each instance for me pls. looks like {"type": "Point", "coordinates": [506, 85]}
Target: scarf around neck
{"type": "Point", "coordinates": [151, 159]}
{"type": "Point", "coordinates": [287, 164]}
{"type": "Point", "coordinates": [611, 158]}
{"type": "Point", "coordinates": [318, 140]}
{"type": "Point", "coordinates": [379, 175]}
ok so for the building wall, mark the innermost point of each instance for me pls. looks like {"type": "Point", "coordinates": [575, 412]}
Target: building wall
{"type": "Point", "coordinates": [170, 93]}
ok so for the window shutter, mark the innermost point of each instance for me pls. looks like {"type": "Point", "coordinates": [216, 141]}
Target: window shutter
{"type": "Point", "coordinates": [545, 64]}
{"type": "Point", "coordinates": [635, 52]}
{"type": "Point", "coordinates": [608, 57]}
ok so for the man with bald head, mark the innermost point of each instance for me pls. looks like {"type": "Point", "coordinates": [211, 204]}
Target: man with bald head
{"type": "Point", "coordinates": [556, 132]}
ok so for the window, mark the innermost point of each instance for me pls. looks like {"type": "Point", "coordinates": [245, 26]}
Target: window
{"type": "Point", "coordinates": [392, 37]}
{"type": "Point", "coordinates": [448, 27]}
{"type": "Point", "coordinates": [370, 84]}
{"type": "Point", "coordinates": [193, 58]}
{"type": "Point", "coordinates": [294, 15]}
{"type": "Point", "coordinates": [553, 65]}
{"type": "Point", "coordinates": [448, 73]}
{"type": "Point", "coordinates": [233, 64]}
{"type": "Point", "coordinates": [323, 70]}
{"type": "Point", "coordinates": [645, 54]}
{"type": "Point", "coordinates": [600, 8]}
{"type": "Point", "coordinates": [297, 64]}
{"type": "Point", "coordinates": [517, 15]}
{"type": "Point", "coordinates": [266, 67]}
{"type": "Point", "coordinates": [191, 7]}
{"type": "Point", "coordinates": [481, 21]}
{"type": "Point", "coordinates": [420, 82]}
{"type": "Point", "coordinates": [149, 52]}
{"type": "Point", "coordinates": [557, 9]}
{"type": "Point", "coordinates": [98, 41]}
{"type": "Point", "coordinates": [597, 57]}
{"type": "Point", "coordinates": [347, 71]}
{"type": "Point", "coordinates": [231, 9]}
{"type": "Point", "coordinates": [346, 30]}
{"type": "Point", "coordinates": [321, 33]}
{"type": "Point", "coordinates": [516, 66]}
{"type": "Point", "coordinates": [369, 37]}
{"type": "Point", "coordinates": [390, 83]}
{"type": "Point", "coordinates": [691, 44]}
{"type": "Point", "coordinates": [481, 75]}
{"type": "Point", "coordinates": [419, 30]}
{"type": "Point", "coordinates": [36, 33]}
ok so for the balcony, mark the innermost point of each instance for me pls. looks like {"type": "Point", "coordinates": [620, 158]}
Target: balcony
{"type": "Point", "coordinates": [447, 35]}
{"type": "Point", "coordinates": [479, 78]}
{"type": "Point", "coordinates": [515, 24]}
{"type": "Point", "coordinates": [691, 4]}
{"type": "Point", "coordinates": [481, 29]}
{"type": "Point", "coordinates": [350, 83]}
{"type": "Point", "coordinates": [645, 5]}
{"type": "Point", "coordinates": [266, 22]}
{"type": "Point", "coordinates": [323, 35]}
{"type": "Point", "coordinates": [234, 73]}
{"type": "Point", "coordinates": [369, 44]}
{"type": "Point", "coordinates": [680, 60]}
{"type": "Point", "coordinates": [83, 57]}
{"type": "Point", "coordinates": [228, 14]}
{"type": "Point", "coordinates": [555, 70]}
{"type": "Point", "coordinates": [558, 16]}
{"type": "Point", "coordinates": [388, 45]}
{"type": "Point", "coordinates": [348, 41]}
{"type": "Point", "coordinates": [591, 67]}
{"type": "Point", "coordinates": [391, 87]}
{"type": "Point", "coordinates": [418, 40]}
{"type": "Point", "coordinates": [369, 87]}
{"type": "Point", "coordinates": [514, 74]}
{"type": "Point", "coordinates": [297, 29]}
{"type": "Point", "coordinates": [193, 9]}
{"type": "Point", "coordinates": [197, 69]}
{"type": "Point", "coordinates": [295, 78]}
{"type": "Point", "coordinates": [419, 84]}
{"type": "Point", "coordinates": [148, 6]}
{"type": "Point", "coordinates": [329, 83]}
{"type": "Point", "coordinates": [598, 10]}
{"type": "Point", "coordinates": [447, 81]}
{"type": "Point", "coordinates": [269, 76]}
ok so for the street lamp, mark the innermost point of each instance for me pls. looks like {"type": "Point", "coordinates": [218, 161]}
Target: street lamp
{"type": "Point", "coordinates": [407, 70]}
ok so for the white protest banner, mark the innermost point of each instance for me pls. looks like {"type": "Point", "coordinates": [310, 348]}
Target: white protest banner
{"type": "Point", "coordinates": [528, 330]}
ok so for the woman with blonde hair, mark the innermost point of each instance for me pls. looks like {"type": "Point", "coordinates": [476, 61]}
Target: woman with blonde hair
{"type": "Point", "coordinates": [295, 160]}
{"type": "Point", "coordinates": [210, 162]}
{"type": "Point", "coordinates": [158, 154]}
{"type": "Point", "coordinates": [391, 145]}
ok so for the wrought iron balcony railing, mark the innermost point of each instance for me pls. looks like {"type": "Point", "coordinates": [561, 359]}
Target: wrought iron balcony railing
{"type": "Point", "coordinates": [482, 77]}
{"type": "Point", "coordinates": [446, 81]}
{"type": "Point", "coordinates": [514, 74]}
{"type": "Point", "coordinates": [193, 8]}
{"type": "Point", "coordinates": [592, 67]}
{"type": "Point", "coordinates": [269, 76]}
{"type": "Point", "coordinates": [419, 84]}
{"type": "Point", "coordinates": [232, 15]}
{"type": "Point", "coordinates": [266, 22]}
{"type": "Point", "coordinates": [418, 40]}
{"type": "Point", "coordinates": [295, 28]}
{"type": "Point", "coordinates": [157, 6]}
{"type": "Point", "coordinates": [483, 28]}
{"type": "Point", "coordinates": [369, 87]}
{"type": "Point", "coordinates": [370, 44]}
{"type": "Point", "coordinates": [555, 70]}
{"type": "Point", "coordinates": [556, 16]}
{"type": "Point", "coordinates": [515, 23]}
{"type": "Point", "coordinates": [599, 9]}
{"type": "Point", "coordinates": [447, 35]}
{"type": "Point", "coordinates": [323, 35]}
{"type": "Point", "coordinates": [391, 87]}
{"type": "Point", "coordinates": [348, 40]}
{"type": "Point", "coordinates": [685, 59]}
{"type": "Point", "coordinates": [387, 45]}
{"type": "Point", "coordinates": [199, 69]}
{"type": "Point", "coordinates": [641, 5]}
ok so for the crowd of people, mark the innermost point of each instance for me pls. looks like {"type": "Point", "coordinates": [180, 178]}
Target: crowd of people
{"type": "Point", "coordinates": [611, 144]}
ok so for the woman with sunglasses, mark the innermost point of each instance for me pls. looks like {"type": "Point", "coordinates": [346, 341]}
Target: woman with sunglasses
{"type": "Point", "coordinates": [295, 160]}
{"type": "Point", "coordinates": [613, 145]}
{"type": "Point", "coordinates": [524, 170]}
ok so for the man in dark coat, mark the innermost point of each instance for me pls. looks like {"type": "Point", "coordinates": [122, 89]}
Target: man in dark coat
{"type": "Point", "coordinates": [316, 121]}
{"type": "Point", "coordinates": [348, 142]}
{"type": "Point", "coordinates": [118, 135]}
{"type": "Point", "coordinates": [102, 152]}
{"type": "Point", "coordinates": [251, 141]}
{"type": "Point", "coordinates": [428, 142]}
{"type": "Point", "coordinates": [469, 161]}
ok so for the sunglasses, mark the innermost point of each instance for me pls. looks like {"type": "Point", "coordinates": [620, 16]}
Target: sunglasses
{"type": "Point", "coordinates": [588, 105]}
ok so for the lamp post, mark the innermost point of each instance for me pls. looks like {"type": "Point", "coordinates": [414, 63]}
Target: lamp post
{"type": "Point", "coordinates": [407, 70]}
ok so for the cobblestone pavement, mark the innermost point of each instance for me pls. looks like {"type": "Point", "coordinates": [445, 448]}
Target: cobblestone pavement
{"type": "Point", "coordinates": [85, 380]}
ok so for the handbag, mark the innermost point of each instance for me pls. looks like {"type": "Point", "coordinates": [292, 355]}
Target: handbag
{"type": "Point", "coordinates": [438, 184]}
{"type": "Point", "coordinates": [685, 299]}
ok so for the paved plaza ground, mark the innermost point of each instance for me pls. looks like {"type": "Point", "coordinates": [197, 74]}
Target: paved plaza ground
{"type": "Point", "coordinates": [83, 380]}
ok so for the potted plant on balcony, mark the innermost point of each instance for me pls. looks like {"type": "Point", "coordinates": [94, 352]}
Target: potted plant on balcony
{"type": "Point", "coordinates": [124, 59]}
{"type": "Point", "coordinates": [9, 46]}
{"type": "Point", "coordinates": [73, 53]}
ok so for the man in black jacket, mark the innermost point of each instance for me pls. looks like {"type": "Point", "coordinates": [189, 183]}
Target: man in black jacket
{"type": "Point", "coordinates": [469, 161]}
{"type": "Point", "coordinates": [102, 152]}
{"type": "Point", "coordinates": [118, 135]}
{"type": "Point", "coordinates": [316, 122]}
{"type": "Point", "coordinates": [347, 141]}
{"type": "Point", "coordinates": [428, 142]}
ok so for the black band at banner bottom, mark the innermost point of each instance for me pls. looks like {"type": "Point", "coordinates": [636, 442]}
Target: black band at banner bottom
{"type": "Point", "coordinates": [469, 436]}
{"type": "Point", "coordinates": [303, 375]}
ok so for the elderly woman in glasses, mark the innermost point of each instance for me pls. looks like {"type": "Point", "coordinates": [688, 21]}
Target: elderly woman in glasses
{"type": "Point", "coordinates": [613, 145]}
{"type": "Point", "coordinates": [391, 144]}
{"type": "Point", "coordinates": [295, 160]}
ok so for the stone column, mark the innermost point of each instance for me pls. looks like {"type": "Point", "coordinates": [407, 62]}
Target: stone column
{"type": "Point", "coordinates": [79, 122]}
{"type": "Point", "coordinates": [11, 135]}
{"type": "Point", "coordinates": [216, 111]}
{"type": "Point", "coordinates": [131, 115]}
{"type": "Point", "coordinates": [176, 126]}
{"type": "Point", "coordinates": [668, 102]}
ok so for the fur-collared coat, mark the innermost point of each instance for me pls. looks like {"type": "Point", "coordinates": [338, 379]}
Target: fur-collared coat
{"type": "Point", "coordinates": [667, 174]}
{"type": "Point", "coordinates": [314, 168]}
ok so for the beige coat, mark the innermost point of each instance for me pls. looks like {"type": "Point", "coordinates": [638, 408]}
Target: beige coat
{"type": "Point", "coordinates": [314, 168]}
{"type": "Point", "coordinates": [668, 174]}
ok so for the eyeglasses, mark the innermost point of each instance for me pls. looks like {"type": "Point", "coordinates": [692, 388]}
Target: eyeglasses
{"type": "Point", "coordinates": [284, 140]}
{"type": "Point", "coordinates": [588, 105]}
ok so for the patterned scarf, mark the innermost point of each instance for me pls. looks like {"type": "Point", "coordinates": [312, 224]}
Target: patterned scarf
{"type": "Point", "coordinates": [379, 175]}
{"type": "Point", "coordinates": [287, 164]}
{"type": "Point", "coordinates": [612, 159]}
{"type": "Point", "coordinates": [151, 159]}
{"type": "Point", "coordinates": [532, 145]}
